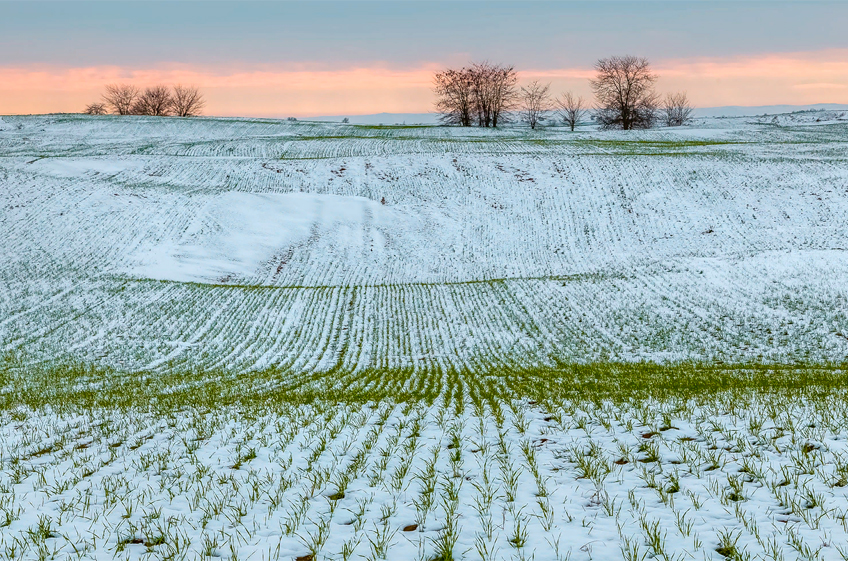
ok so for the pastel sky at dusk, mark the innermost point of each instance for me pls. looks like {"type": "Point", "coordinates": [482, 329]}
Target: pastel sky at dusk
{"type": "Point", "coordinates": [331, 58]}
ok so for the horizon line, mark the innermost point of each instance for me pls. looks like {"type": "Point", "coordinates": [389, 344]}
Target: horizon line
{"type": "Point", "coordinates": [806, 106]}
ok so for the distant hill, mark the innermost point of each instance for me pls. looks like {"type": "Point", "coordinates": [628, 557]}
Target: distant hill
{"type": "Point", "coordinates": [725, 111]}
{"type": "Point", "coordinates": [741, 110]}
{"type": "Point", "coordinates": [383, 119]}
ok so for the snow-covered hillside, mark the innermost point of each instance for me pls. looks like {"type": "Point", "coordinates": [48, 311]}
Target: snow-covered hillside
{"type": "Point", "coordinates": [240, 339]}
{"type": "Point", "coordinates": [243, 244]}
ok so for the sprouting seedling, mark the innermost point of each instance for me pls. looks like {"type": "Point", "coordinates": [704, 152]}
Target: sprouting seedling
{"type": "Point", "coordinates": [519, 535]}
{"type": "Point", "coordinates": [349, 547]}
{"type": "Point", "coordinates": [655, 538]}
{"type": "Point", "coordinates": [684, 525]}
{"type": "Point", "coordinates": [383, 536]}
{"type": "Point", "coordinates": [727, 541]}
{"type": "Point", "coordinates": [485, 548]}
{"type": "Point", "coordinates": [445, 541]}
{"type": "Point", "coordinates": [630, 550]}
{"type": "Point", "coordinates": [510, 475]}
{"type": "Point", "coordinates": [546, 514]}
{"type": "Point", "coordinates": [315, 540]}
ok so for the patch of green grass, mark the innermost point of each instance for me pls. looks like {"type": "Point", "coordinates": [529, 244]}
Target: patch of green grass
{"type": "Point", "coordinates": [577, 277]}
{"type": "Point", "coordinates": [394, 127]}
{"type": "Point", "coordinates": [93, 386]}
{"type": "Point", "coordinates": [356, 137]}
{"type": "Point", "coordinates": [662, 144]}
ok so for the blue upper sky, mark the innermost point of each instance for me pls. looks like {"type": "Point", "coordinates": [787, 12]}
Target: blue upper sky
{"type": "Point", "coordinates": [536, 34]}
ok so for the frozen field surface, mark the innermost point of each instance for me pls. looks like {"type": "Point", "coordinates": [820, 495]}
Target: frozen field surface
{"type": "Point", "coordinates": [244, 244]}
{"type": "Point", "coordinates": [246, 339]}
{"type": "Point", "coordinates": [738, 476]}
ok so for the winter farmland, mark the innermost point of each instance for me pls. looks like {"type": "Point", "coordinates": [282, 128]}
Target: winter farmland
{"type": "Point", "coordinates": [246, 339]}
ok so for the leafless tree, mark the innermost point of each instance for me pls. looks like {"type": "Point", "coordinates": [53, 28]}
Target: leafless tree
{"type": "Point", "coordinates": [495, 89]}
{"type": "Point", "coordinates": [624, 88]}
{"type": "Point", "coordinates": [504, 81]}
{"type": "Point", "coordinates": [95, 109]}
{"type": "Point", "coordinates": [187, 101]}
{"type": "Point", "coordinates": [481, 90]}
{"type": "Point", "coordinates": [535, 103]}
{"type": "Point", "coordinates": [571, 109]}
{"type": "Point", "coordinates": [155, 101]}
{"type": "Point", "coordinates": [676, 109]}
{"type": "Point", "coordinates": [120, 98]}
{"type": "Point", "coordinates": [483, 93]}
{"type": "Point", "coordinates": [454, 97]}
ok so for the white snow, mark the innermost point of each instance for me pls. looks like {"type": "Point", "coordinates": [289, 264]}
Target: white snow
{"type": "Point", "coordinates": [420, 247]}
{"type": "Point", "coordinates": [78, 167]}
{"type": "Point", "coordinates": [236, 235]}
{"type": "Point", "coordinates": [582, 482]}
{"type": "Point", "coordinates": [337, 254]}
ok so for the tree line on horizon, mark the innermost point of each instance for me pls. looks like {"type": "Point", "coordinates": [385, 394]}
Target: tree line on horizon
{"type": "Point", "coordinates": [159, 100]}
{"type": "Point", "coordinates": [486, 95]}
{"type": "Point", "coordinates": [481, 94]}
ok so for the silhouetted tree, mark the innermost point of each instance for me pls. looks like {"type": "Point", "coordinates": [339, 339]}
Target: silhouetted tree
{"type": "Point", "coordinates": [156, 101]}
{"type": "Point", "coordinates": [535, 103]}
{"type": "Point", "coordinates": [676, 109]}
{"type": "Point", "coordinates": [454, 96]}
{"type": "Point", "coordinates": [481, 93]}
{"type": "Point", "coordinates": [495, 91]}
{"type": "Point", "coordinates": [120, 98]}
{"type": "Point", "coordinates": [624, 89]}
{"type": "Point", "coordinates": [95, 109]}
{"type": "Point", "coordinates": [571, 109]}
{"type": "Point", "coordinates": [187, 101]}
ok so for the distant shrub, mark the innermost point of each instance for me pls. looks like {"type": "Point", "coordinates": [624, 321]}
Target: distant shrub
{"type": "Point", "coordinates": [95, 109]}
{"type": "Point", "coordinates": [676, 110]}
{"type": "Point", "coordinates": [156, 101]}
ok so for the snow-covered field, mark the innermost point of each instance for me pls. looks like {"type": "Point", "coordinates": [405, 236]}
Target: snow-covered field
{"type": "Point", "coordinates": [670, 481]}
{"type": "Point", "coordinates": [260, 339]}
{"type": "Point", "coordinates": [215, 243]}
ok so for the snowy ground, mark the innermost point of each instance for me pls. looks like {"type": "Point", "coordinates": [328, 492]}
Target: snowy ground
{"type": "Point", "coordinates": [726, 241]}
{"type": "Point", "coordinates": [713, 479]}
{"type": "Point", "coordinates": [259, 339]}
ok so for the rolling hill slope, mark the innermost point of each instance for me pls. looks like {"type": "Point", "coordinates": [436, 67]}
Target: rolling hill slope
{"type": "Point", "coordinates": [245, 244]}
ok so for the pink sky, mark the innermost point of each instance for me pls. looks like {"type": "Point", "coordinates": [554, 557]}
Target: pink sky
{"type": "Point", "coordinates": [310, 90]}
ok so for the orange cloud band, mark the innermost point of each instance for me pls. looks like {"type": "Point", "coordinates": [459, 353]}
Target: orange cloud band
{"type": "Point", "coordinates": [796, 78]}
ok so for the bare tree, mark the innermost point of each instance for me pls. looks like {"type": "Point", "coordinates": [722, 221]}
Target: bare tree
{"type": "Point", "coordinates": [481, 93]}
{"type": "Point", "coordinates": [624, 88]}
{"type": "Point", "coordinates": [454, 93]}
{"type": "Point", "coordinates": [120, 98]}
{"type": "Point", "coordinates": [495, 89]}
{"type": "Point", "coordinates": [504, 80]}
{"type": "Point", "coordinates": [535, 103]}
{"type": "Point", "coordinates": [676, 110]}
{"type": "Point", "coordinates": [571, 109]}
{"type": "Point", "coordinates": [480, 76]}
{"type": "Point", "coordinates": [187, 101]}
{"type": "Point", "coordinates": [95, 109]}
{"type": "Point", "coordinates": [155, 101]}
